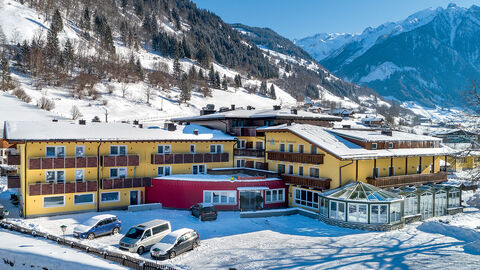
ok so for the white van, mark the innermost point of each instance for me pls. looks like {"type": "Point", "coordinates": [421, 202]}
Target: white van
{"type": "Point", "coordinates": [142, 237]}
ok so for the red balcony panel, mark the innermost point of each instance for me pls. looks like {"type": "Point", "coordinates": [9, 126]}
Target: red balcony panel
{"type": "Point", "coordinates": [224, 157]}
{"type": "Point", "coordinates": [81, 162]}
{"type": "Point", "coordinates": [178, 158]}
{"type": "Point", "coordinates": [35, 190]}
{"type": "Point", "coordinates": [133, 160]}
{"type": "Point", "coordinates": [109, 161]}
{"type": "Point", "coordinates": [137, 182]}
{"type": "Point", "coordinates": [207, 157]}
{"type": "Point", "coordinates": [107, 184]}
{"type": "Point", "coordinates": [121, 161]}
{"type": "Point", "coordinates": [188, 158]}
{"type": "Point", "coordinates": [92, 162]}
{"type": "Point", "coordinates": [70, 162]}
{"type": "Point", "coordinates": [128, 183]}
{"type": "Point", "coordinates": [47, 163]}
{"type": "Point", "coordinates": [157, 159]}
{"type": "Point", "coordinates": [118, 183]}
{"type": "Point", "coordinates": [13, 181]}
{"type": "Point", "coordinates": [70, 187]}
{"type": "Point", "coordinates": [216, 157]}
{"type": "Point", "coordinates": [81, 187]}
{"type": "Point", "coordinates": [47, 189]}
{"type": "Point", "coordinates": [35, 163]}
{"type": "Point", "coordinates": [92, 186]}
{"type": "Point", "coordinates": [59, 163]}
{"type": "Point", "coordinates": [58, 188]}
{"type": "Point", "coordinates": [168, 159]}
{"type": "Point", "coordinates": [199, 158]}
{"type": "Point", "coordinates": [13, 159]}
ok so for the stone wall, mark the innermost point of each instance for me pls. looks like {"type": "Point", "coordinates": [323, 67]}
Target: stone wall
{"type": "Point", "coordinates": [411, 219]}
{"type": "Point", "coordinates": [454, 211]}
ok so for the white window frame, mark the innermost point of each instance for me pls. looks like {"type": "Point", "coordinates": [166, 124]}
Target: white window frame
{"type": "Point", "coordinates": [242, 144]}
{"type": "Point", "coordinates": [56, 176]}
{"type": "Point", "coordinates": [228, 193]}
{"type": "Point", "coordinates": [300, 146]}
{"type": "Point", "coordinates": [79, 146]}
{"type": "Point", "coordinates": [164, 167]}
{"type": "Point", "coordinates": [244, 161]}
{"type": "Point", "coordinates": [280, 148]}
{"type": "Point", "coordinates": [390, 145]}
{"type": "Point", "coordinates": [293, 148]}
{"type": "Point", "coordinates": [216, 148]}
{"type": "Point", "coordinates": [43, 201]}
{"type": "Point", "coordinates": [393, 172]}
{"type": "Point", "coordinates": [256, 145]}
{"type": "Point", "coordinates": [313, 149]}
{"type": "Point", "coordinates": [87, 203]}
{"type": "Point", "coordinates": [101, 193]}
{"type": "Point", "coordinates": [168, 146]}
{"type": "Point", "coordinates": [56, 150]}
{"type": "Point", "coordinates": [83, 175]}
{"type": "Point", "coordinates": [310, 172]}
{"type": "Point", "coordinates": [118, 172]}
{"type": "Point", "coordinates": [194, 147]}
{"type": "Point", "coordinates": [306, 201]}
{"type": "Point", "coordinates": [198, 168]}
{"type": "Point", "coordinates": [335, 214]}
{"type": "Point", "coordinates": [277, 200]}
{"type": "Point", "coordinates": [281, 164]}
{"type": "Point", "coordinates": [303, 171]}
{"type": "Point", "coordinates": [291, 169]}
{"type": "Point", "coordinates": [374, 146]}
{"type": "Point", "coordinates": [118, 150]}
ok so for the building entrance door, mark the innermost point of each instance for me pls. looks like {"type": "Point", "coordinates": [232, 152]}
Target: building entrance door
{"type": "Point", "coordinates": [251, 200]}
{"type": "Point", "coordinates": [134, 197]}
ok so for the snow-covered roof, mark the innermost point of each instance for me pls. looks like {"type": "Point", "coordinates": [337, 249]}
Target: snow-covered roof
{"type": "Point", "coordinates": [180, 232]}
{"type": "Point", "coordinates": [215, 178]}
{"type": "Point", "coordinates": [69, 131]}
{"type": "Point", "coordinates": [370, 135]}
{"type": "Point", "coordinates": [372, 119]}
{"type": "Point", "coordinates": [101, 217]}
{"type": "Point", "coordinates": [252, 114]}
{"type": "Point", "coordinates": [334, 144]}
{"type": "Point", "coordinates": [359, 191]}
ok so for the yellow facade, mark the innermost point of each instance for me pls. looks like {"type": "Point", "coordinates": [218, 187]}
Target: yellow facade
{"type": "Point", "coordinates": [464, 163]}
{"type": "Point", "coordinates": [243, 142]}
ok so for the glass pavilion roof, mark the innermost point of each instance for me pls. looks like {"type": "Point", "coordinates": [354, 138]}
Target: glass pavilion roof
{"type": "Point", "coordinates": [359, 191]}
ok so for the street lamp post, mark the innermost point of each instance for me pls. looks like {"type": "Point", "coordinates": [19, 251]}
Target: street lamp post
{"type": "Point", "coordinates": [5, 214]}
{"type": "Point", "coordinates": [64, 228]}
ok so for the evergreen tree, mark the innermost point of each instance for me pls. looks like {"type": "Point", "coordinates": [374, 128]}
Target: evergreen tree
{"type": "Point", "coordinates": [263, 88]}
{"type": "Point", "coordinates": [177, 68]}
{"type": "Point", "coordinates": [200, 75]}
{"type": "Point", "coordinates": [217, 80]}
{"type": "Point", "coordinates": [238, 81]}
{"type": "Point", "coordinates": [224, 82]}
{"type": "Point", "coordinates": [139, 69]}
{"type": "Point", "coordinates": [5, 75]}
{"type": "Point", "coordinates": [68, 55]}
{"type": "Point", "coordinates": [211, 75]}
{"type": "Point", "coordinates": [185, 89]}
{"type": "Point", "coordinates": [57, 24]}
{"type": "Point", "coordinates": [272, 92]}
{"type": "Point", "coordinates": [288, 68]}
{"type": "Point", "coordinates": [85, 20]}
{"type": "Point", "coordinates": [186, 49]}
{"type": "Point", "coordinates": [192, 73]}
{"type": "Point", "coordinates": [52, 48]}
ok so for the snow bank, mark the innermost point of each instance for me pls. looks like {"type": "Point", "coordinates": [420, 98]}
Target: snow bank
{"type": "Point", "coordinates": [460, 233]}
{"type": "Point", "coordinates": [474, 200]}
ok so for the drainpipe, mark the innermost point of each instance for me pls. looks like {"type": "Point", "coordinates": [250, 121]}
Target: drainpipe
{"type": "Point", "coordinates": [25, 178]}
{"type": "Point", "coordinates": [233, 152]}
{"type": "Point", "coordinates": [99, 175]}
{"type": "Point", "coordinates": [340, 171]}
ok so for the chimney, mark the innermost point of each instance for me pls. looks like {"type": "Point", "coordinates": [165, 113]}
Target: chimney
{"type": "Point", "coordinates": [54, 120]}
{"type": "Point", "coordinates": [170, 126]}
{"type": "Point", "coordinates": [249, 107]}
{"type": "Point", "coordinates": [140, 125]}
{"type": "Point", "coordinates": [82, 122]}
{"type": "Point", "coordinates": [135, 122]}
{"type": "Point", "coordinates": [276, 107]}
{"type": "Point", "coordinates": [293, 111]}
{"type": "Point", "coordinates": [195, 132]}
{"type": "Point", "coordinates": [387, 131]}
{"type": "Point", "coordinates": [232, 107]}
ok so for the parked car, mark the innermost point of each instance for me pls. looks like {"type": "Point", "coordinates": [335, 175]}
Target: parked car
{"type": "Point", "coordinates": [204, 211]}
{"type": "Point", "coordinates": [97, 226]}
{"type": "Point", "coordinates": [1, 211]}
{"type": "Point", "coordinates": [175, 243]}
{"type": "Point", "coordinates": [143, 236]}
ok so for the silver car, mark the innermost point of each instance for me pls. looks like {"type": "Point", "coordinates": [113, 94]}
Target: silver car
{"type": "Point", "coordinates": [142, 237]}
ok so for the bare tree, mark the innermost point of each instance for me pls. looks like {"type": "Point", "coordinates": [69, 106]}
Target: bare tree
{"type": "Point", "coordinates": [124, 87]}
{"type": "Point", "coordinates": [149, 93]}
{"type": "Point", "coordinates": [75, 112]}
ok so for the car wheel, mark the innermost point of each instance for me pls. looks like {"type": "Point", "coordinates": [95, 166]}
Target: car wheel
{"type": "Point", "coordinates": [140, 250]}
{"type": "Point", "coordinates": [91, 236]}
{"type": "Point", "coordinates": [201, 218]}
{"type": "Point", "coordinates": [115, 230]}
{"type": "Point", "coordinates": [194, 245]}
{"type": "Point", "coordinates": [172, 255]}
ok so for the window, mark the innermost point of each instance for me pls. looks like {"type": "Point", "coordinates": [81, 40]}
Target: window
{"type": "Point", "coordinates": [290, 147]}
{"type": "Point", "coordinates": [55, 151]}
{"type": "Point", "coordinates": [411, 205]}
{"type": "Point", "coordinates": [216, 148]}
{"type": "Point", "coordinates": [110, 196]}
{"type": "Point", "coordinates": [454, 199]}
{"type": "Point", "coordinates": [164, 170]}
{"type": "Point", "coordinates": [79, 175]}
{"type": "Point", "coordinates": [80, 151]}
{"type": "Point", "coordinates": [282, 147]}
{"type": "Point", "coordinates": [306, 198]}
{"type": "Point", "coordinates": [164, 149]}
{"type": "Point", "coordinates": [323, 206]}
{"type": "Point", "coordinates": [224, 197]}
{"type": "Point", "coordinates": [241, 144]}
{"type": "Point", "coordinates": [281, 168]}
{"type": "Point", "coordinates": [426, 204]}
{"type": "Point", "coordinates": [290, 169]}
{"type": "Point", "coordinates": [274, 195]}
{"type": "Point", "coordinates": [83, 199]}
{"type": "Point", "coordinates": [432, 144]}
{"type": "Point", "coordinates": [357, 212]}
{"type": "Point", "coordinates": [147, 234]}
{"type": "Point", "coordinates": [313, 149]}
{"type": "Point", "coordinates": [391, 171]}
{"type": "Point", "coordinates": [390, 145]}
{"type": "Point", "coordinates": [375, 173]}
{"type": "Point", "coordinates": [259, 145]}
{"type": "Point", "coordinates": [300, 170]}
{"type": "Point", "coordinates": [55, 176]}
{"type": "Point", "coordinates": [160, 229]}
{"type": "Point", "coordinates": [440, 203]}
{"type": "Point", "coordinates": [301, 148]}
{"type": "Point", "coordinates": [199, 169]}
{"type": "Point", "coordinates": [374, 146]}
{"type": "Point", "coordinates": [268, 123]}
{"type": "Point", "coordinates": [118, 172]}
{"type": "Point", "coordinates": [378, 213]}
{"type": "Point", "coordinates": [337, 210]}
{"type": "Point", "coordinates": [315, 172]}
{"type": "Point", "coordinates": [193, 148]}
{"type": "Point", "coordinates": [118, 150]}
{"type": "Point", "coordinates": [241, 163]}
{"type": "Point", "coordinates": [53, 201]}
{"type": "Point", "coordinates": [395, 212]}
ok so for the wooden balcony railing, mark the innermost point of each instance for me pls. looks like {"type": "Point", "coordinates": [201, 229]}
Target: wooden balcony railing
{"type": "Point", "coordinates": [319, 183]}
{"type": "Point", "coordinates": [249, 152]}
{"type": "Point", "coordinates": [244, 131]}
{"type": "Point", "coordinates": [61, 188]}
{"type": "Point", "coordinates": [296, 157]}
{"type": "Point", "coordinates": [407, 180]}
{"type": "Point", "coordinates": [43, 163]}
{"type": "Point", "coordinates": [126, 183]}
{"type": "Point", "coordinates": [13, 181]}
{"type": "Point", "coordinates": [13, 159]}
{"type": "Point", "coordinates": [117, 161]}
{"type": "Point", "coordinates": [189, 158]}
{"type": "Point", "coordinates": [256, 165]}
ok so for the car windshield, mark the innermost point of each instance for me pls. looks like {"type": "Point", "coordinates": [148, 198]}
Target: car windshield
{"type": "Point", "coordinates": [208, 209]}
{"type": "Point", "coordinates": [134, 233]}
{"type": "Point", "coordinates": [169, 240]}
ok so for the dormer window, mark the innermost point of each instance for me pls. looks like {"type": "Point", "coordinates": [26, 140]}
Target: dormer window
{"type": "Point", "coordinates": [390, 145]}
{"type": "Point", "coordinates": [374, 146]}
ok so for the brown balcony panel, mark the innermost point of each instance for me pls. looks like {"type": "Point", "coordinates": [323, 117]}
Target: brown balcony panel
{"type": "Point", "coordinates": [13, 159]}
{"type": "Point", "coordinates": [92, 186]}
{"type": "Point", "coordinates": [296, 157]}
{"type": "Point", "coordinates": [92, 162]}
{"type": "Point", "coordinates": [319, 183]}
{"type": "Point", "coordinates": [107, 184]}
{"type": "Point", "coordinates": [249, 152]}
{"type": "Point", "coordinates": [157, 159]}
{"type": "Point", "coordinates": [70, 162]}
{"type": "Point", "coordinates": [207, 158]}
{"type": "Point", "coordinates": [81, 162]}
{"type": "Point", "coordinates": [133, 160]}
{"type": "Point", "coordinates": [117, 183]}
{"type": "Point", "coordinates": [109, 161]}
{"type": "Point", "coordinates": [47, 189]}
{"type": "Point", "coordinates": [47, 163]}
{"type": "Point", "coordinates": [59, 163]}
{"type": "Point", "coordinates": [70, 187]}
{"type": "Point", "coordinates": [188, 158]}
{"type": "Point", "coordinates": [407, 180]}
{"type": "Point", "coordinates": [224, 157]}
{"type": "Point", "coordinates": [178, 158]}
{"type": "Point", "coordinates": [35, 190]}
{"type": "Point", "coordinates": [128, 183]}
{"type": "Point", "coordinates": [147, 182]}
{"type": "Point", "coordinates": [137, 182]}
{"type": "Point", "coordinates": [58, 188]}
{"type": "Point", "coordinates": [35, 164]}
{"type": "Point", "coordinates": [168, 159]}
{"type": "Point", "coordinates": [121, 161]}
{"type": "Point", "coordinates": [13, 181]}
{"type": "Point", "coordinates": [216, 158]}
{"type": "Point", "coordinates": [249, 145]}
{"type": "Point", "coordinates": [81, 187]}
{"type": "Point", "coordinates": [249, 164]}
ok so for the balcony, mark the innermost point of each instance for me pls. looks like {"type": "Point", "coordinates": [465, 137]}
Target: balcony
{"type": "Point", "coordinates": [189, 158]}
{"type": "Point", "coordinates": [407, 180]}
{"type": "Point", "coordinates": [61, 188]}
{"type": "Point", "coordinates": [244, 131]}
{"type": "Point", "coordinates": [13, 181]}
{"type": "Point", "coordinates": [256, 165]}
{"type": "Point", "coordinates": [249, 152]}
{"type": "Point", "coordinates": [13, 159]}
{"type": "Point", "coordinates": [296, 157]}
{"type": "Point", "coordinates": [126, 183]}
{"type": "Point", "coordinates": [119, 161]}
{"type": "Point", "coordinates": [43, 163]}
{"type": "Point", "coordinates": [319, 183]}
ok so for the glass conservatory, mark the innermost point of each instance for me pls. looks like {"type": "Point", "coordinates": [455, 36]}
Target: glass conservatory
{"type": "Point", "coordinates": [358, 202]}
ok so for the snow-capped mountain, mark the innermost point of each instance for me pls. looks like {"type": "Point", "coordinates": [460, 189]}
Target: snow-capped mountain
{"type": "Point", "coordinates": [430, 57]}
{"type": "Point", "coordinates": [322, 45]}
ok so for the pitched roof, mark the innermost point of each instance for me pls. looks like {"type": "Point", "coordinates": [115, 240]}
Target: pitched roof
{"type": "Point", "coordinates": [371, 135]}
{"type": "Point", "coordinates": [69, 131]}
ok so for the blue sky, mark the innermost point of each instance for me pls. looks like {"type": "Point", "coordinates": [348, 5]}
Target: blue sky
{"type": "Point", "coordinates": [301, 18]}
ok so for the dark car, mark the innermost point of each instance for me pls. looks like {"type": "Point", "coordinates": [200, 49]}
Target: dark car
{"type": "Point", "coordinates": [175, 243]}
{"type": "Point", "coordinates": [204, 211]}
